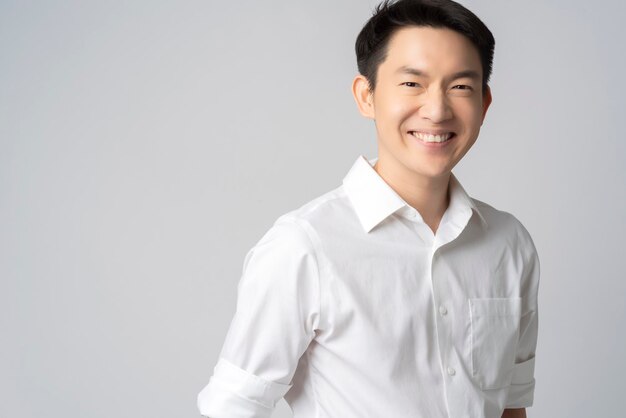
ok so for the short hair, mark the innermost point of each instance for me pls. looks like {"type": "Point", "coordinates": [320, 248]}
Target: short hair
{"type": "Point", "coordinates": [372, 43]}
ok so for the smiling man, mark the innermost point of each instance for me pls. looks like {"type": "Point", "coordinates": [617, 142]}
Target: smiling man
{"type": "Point", "coordinates": [395, 294]}
{"type": "Point", "coordinates": [428, 104]}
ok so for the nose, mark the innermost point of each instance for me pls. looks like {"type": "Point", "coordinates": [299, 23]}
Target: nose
{"type": "Point", "coordinates": [435, 107]}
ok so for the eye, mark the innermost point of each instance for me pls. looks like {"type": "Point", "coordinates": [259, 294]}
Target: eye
{"type": "Point", "coordinates": [410, 84]}
{"type": "Point", "coordinates": [465, 87]}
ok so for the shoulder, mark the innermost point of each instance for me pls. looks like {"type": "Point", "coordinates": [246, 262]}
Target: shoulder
{"type": "Point", "coordinates": [286, 235]}
{"type": "Point", "coordinates": [283, 257]}
{"type": "Point", "coordinates": [293, 230]}
{"type": "Point", "coordinates": [325, 210]}
{"type": "Point", "coordinates": [506, 224]}
{"type": "Point", "coordinates": [294, 234]}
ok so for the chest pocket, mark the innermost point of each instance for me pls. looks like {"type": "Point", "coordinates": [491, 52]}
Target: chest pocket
{"type": "Point", "coordinates": [494, 335]}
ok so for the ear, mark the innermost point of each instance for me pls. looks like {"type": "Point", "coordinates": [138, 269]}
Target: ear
{"type": "Point", "coordinates": [487, 99]}
{"type": "Point", "coordinates": [363, 97]}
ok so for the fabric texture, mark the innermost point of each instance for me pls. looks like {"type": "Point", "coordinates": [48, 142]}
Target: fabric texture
{"type": "Point", "coordinates": [350, 306]}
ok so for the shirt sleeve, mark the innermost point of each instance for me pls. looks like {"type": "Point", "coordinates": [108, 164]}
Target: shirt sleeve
{"type": "Point", "coordinates": [277, 313]}
{"type": "Point", "coordinates": [521, 391]}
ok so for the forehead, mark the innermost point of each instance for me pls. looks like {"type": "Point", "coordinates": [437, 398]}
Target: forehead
{"type": "Point", "coordinates": [425, 47]}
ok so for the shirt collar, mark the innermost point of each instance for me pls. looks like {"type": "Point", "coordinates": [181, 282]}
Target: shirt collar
{"type": "Point", "coordinates": [374, 200]}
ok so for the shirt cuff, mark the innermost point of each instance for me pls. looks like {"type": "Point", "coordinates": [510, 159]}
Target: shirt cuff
{"type": "Point", "coordinates": [235, 393]}
{"type": "Point", "coordinates": [522, 389]}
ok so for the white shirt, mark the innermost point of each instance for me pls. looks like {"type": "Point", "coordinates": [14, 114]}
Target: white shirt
{"type": "Point", "coordinates": [350, 307]}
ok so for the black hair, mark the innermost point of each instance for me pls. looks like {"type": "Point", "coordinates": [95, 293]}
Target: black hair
{"type": "Point", "coordinates": [372, 43]}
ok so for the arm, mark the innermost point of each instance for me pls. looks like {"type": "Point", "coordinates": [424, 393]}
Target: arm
{"type": "Point", "coordinates": [275, 320]}
{"type": "Point", "coordinates": [521, 391]}
{"type": "Point", "coordinates": [514, 413]}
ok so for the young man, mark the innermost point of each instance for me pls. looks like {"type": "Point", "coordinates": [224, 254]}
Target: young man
{"type": "Point", "coordinates": [396, 294]}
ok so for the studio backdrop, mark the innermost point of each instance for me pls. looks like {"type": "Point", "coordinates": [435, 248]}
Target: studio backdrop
{"type": "Point", "coordinates": [146, 146]}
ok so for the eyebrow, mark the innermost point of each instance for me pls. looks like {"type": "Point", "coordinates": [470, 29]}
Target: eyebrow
{"type": "Point", "coordinates": [419, 73]}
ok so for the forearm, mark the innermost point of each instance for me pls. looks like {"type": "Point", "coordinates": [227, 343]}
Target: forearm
{"type": "Point", "coordinates": [514, 413]}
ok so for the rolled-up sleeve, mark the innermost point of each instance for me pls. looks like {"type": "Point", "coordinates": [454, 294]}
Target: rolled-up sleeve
{"type": "Point", "coordinates": [521, 391]}
{"type": "Point", "coordinates": [278, 311]}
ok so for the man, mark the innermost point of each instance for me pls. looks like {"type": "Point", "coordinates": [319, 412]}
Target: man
{"type": "Point", "coordinates": [395, 294]}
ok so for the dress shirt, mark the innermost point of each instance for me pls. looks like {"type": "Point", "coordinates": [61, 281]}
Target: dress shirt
{"type": "Point", "coordinates": [351, 307]}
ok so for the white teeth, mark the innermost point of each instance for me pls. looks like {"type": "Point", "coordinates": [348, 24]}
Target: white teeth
{"type": "Point", "coordinates": [431, 138]}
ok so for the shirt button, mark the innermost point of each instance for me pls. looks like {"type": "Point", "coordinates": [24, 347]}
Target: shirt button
{"type": "Point", "coordinates": [451, 371]}
{"type": "Point", "coordinates": [443, 310]}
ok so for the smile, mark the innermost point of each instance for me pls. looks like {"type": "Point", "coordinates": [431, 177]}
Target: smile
{"type": "Point", "coordinates": [424, 137]}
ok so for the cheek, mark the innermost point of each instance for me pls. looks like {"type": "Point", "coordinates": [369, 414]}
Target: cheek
{"type": "Point", "coordinates": [471, 114]}
{"type": "Point", "coordinates": [395, 111]}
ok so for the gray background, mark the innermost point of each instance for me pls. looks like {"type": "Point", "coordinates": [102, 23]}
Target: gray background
{"type": "Point", "coordinates": [145, 146]}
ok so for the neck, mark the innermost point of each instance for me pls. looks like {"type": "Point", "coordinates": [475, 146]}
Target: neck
{"type": "Point", "coordinates": [428, 195]}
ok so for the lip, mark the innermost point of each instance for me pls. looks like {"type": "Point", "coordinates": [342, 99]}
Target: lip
{"type": "Point", "coordinates": [431, 132]}
{"type": "Point", "coordinates": [433, 145]}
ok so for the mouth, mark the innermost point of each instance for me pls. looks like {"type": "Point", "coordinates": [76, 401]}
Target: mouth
{"type": "Point", "coordinates": [433, 138]}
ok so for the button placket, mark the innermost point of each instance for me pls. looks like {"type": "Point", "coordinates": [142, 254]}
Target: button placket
{"type": "Point", "coordinates": [440, 323]}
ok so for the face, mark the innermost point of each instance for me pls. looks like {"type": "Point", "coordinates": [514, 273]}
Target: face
{"type": "Point", "coordinates": [430, 83]}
